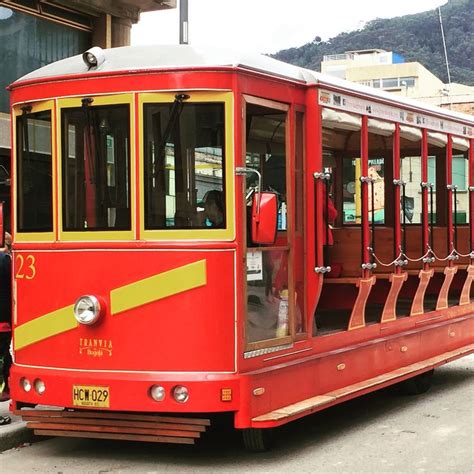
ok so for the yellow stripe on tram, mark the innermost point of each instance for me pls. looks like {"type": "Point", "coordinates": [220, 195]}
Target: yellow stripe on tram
{"type": "Point", "coordinates": [50, 324]}
{"type": "Point", "coordinates": [157, 287]}
{"type": "Point", "coordinates": [122, 299]}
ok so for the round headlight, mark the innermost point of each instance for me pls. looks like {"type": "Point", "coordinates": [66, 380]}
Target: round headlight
{"type": "Point", "coordinates": [180, 393]}
{"type": "Point", "coordinates": [157, 392]}
{"type": "Point", "coordinates": [87, 309]}
{"type": "Point", "coordinates": [25, 384]}
{"type": "Point", "coordinates": [40, 387]}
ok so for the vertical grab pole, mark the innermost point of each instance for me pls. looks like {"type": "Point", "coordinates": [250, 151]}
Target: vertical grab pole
{"type": "Point", "coordinates": [316, 239]}
{"type": "Point", "coordinates": [372, 213]}
{"type": "Point", "coordinates": [449, 197]}
{"type": "Point", "coordinates": [397, 236]}
{"type": "Point", "coordinates": [424, 194]}
{"type": "Point", "coordinates": [326, 247]}
{"type": "Point", "coordinates": [471, 195]}
{"type": "Point", "coordinates": [365, 238]}
{"type": "Point", "coordinates": [404, 248]}
{"type": "Point", "coordinates": [431, 215]}
{"type": "Point", "coordinates": [455, 219]}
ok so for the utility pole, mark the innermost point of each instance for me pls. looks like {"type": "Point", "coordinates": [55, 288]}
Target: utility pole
{"type": "Point", "coordinates": [445, 49]}
{"type": "Point", "coordinates": [183, 22]}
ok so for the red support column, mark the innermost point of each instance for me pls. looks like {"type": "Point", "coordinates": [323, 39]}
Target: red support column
{"type": "Point", "coordinates": [364, 171]}
{"type": "Point", "coordinates": [471, 194]}
{"type": "Point", "coordinates": [397, 234]}
{"type": "Point", "coordinates": [314, 207]}
{"type": "Point", "coordinates": [424, 191]}
{"type": "Point", "coordinates": [449, 196]}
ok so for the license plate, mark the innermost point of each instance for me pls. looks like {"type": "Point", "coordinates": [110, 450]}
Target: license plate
{"type": "Point", "coordinates": [90, 396]}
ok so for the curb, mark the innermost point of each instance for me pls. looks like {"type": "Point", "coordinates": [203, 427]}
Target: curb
{"type": "Point", "coordinates": [15, 434]}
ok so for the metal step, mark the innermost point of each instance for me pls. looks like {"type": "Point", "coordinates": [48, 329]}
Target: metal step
{"type": "Point", "coordinates": [114, 425]}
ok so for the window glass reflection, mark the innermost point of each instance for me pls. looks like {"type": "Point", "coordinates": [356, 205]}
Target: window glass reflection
{"type": "Point", "coordinates": [184, 166]}
{"type": "Point", "coordinates": [34, 172]}
{"type": "Point", "coordinates": [96, 168]}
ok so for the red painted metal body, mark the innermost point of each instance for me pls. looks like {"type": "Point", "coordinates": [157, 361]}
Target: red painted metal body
{"type": "Point", "coordinates": [197, 337]}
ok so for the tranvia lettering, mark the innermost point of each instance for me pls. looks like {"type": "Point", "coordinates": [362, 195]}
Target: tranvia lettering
{"type": "Point", "coordinates": [95, 347]}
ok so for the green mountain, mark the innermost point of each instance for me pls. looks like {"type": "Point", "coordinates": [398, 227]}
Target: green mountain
{"type": "Point", "coordinates": [415, 37]}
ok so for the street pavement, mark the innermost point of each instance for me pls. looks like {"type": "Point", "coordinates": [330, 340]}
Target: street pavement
{"type": "Point", "coordinates": [15, 433]}
{"type": "Point", "coordinates": [382, 432]}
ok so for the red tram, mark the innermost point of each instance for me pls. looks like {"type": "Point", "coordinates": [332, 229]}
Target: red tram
{"type": "Point", "coordinates": [197, 232]}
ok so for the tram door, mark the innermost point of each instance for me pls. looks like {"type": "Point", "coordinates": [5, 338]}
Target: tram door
{"type": "Point", "coordinates": [269, 287]}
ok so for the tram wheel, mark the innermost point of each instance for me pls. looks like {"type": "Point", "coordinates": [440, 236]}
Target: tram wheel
{"type": "Point", "coordinates": [416, 385]}
{"type": "Point", "coordinates": [258, 439]}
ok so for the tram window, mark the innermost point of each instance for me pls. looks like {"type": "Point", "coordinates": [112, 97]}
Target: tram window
{"type": "Point", "coordinates": [380, 169]}
{"type": "Point", "coordinates": [34, 168]}
{"type": "Point", "coordinates": [437, 175]}
{"type": "Point", "coordinates": [351, 172]}
{"type": "Point", "coordinates": [96, 168]}
{"type": "Point", "coordinates": [184, 171]}
{"type": "Point", "coordinates": [341, 146]}
{"type": "Point", "coordinates": [410, 173]}
{"type": "Point", "coordinates": [460, 179]}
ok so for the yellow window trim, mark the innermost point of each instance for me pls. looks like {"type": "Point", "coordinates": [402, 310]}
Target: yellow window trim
{"type": "Point", "coordinates": [105, 235]}
{"type": "Point", "coordinates": [193, 234]}
{"type": "Point", "coordinates": [35, 108]}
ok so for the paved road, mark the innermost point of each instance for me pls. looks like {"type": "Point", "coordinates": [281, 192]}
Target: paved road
{"type": "Point", "coordinates": [382, 432]}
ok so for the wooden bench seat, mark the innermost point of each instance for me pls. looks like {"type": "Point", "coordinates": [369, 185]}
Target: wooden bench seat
{"type": "Point", "coordinates": [342, 281]}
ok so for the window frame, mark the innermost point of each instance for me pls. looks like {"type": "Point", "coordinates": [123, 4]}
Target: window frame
{"type": "Point", "coordinates": [288, 233]}
{"type": "Point", "coordinates": [41, 106]}
{"type": "Point", "coordinates": [227, 233]}
{"type": "Point", "coordinates": [102, 235]}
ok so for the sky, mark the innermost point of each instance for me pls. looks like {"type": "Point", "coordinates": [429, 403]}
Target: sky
{"type": "Point", "coordinates": [267, 26]}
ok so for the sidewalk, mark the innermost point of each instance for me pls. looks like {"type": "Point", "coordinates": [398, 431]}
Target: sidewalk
{"type": "Point", "coordinates": [15, 433]}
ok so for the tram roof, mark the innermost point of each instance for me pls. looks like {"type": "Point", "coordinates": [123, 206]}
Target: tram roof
{"type": "Point", "coordinates": [131, 59]}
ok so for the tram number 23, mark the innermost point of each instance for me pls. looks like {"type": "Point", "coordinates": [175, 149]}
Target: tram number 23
{"type": "Point", "coordinates": [26, 267]}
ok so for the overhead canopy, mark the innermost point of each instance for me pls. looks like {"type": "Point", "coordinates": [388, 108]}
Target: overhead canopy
{"type": "Point", "coordinates": [341, 120]}
{"type": "Point", "coordinates": [380, 127]}
{"type": "Point", "coordinates": [460, 144]}
{"type": "Point", "coordinates": [437, 139]}
{"type": "Point", "coordinates": [411, 134]}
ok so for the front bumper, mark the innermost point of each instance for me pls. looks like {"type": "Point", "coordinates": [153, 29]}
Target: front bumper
{"type": "Point", "coordinates": [129, 391]}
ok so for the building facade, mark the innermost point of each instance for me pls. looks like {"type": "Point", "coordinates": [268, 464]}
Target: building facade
{"type": "Point", "coordinates": [389, 71]}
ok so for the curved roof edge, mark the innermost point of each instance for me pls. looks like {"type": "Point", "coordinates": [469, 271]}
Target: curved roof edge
{"type": "Point", "coordinates": [142, 58]}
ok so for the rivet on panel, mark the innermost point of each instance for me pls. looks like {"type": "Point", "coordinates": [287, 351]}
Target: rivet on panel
{"type": "Point", "coordinates": [403, 349]}
{"type": "Point", "coordinates": [341, 366]}
{"type": "Point", "coordinates": [452, 333]}
{"type": "Point", "coordinates": [258, 391]}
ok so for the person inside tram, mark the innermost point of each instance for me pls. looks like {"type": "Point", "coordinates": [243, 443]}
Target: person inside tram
{"type": "Point", "coordinates": [213, 214]}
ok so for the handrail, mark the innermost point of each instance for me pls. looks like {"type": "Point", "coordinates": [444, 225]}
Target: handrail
{"type": "Point", "coordinates": [324, 177]}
